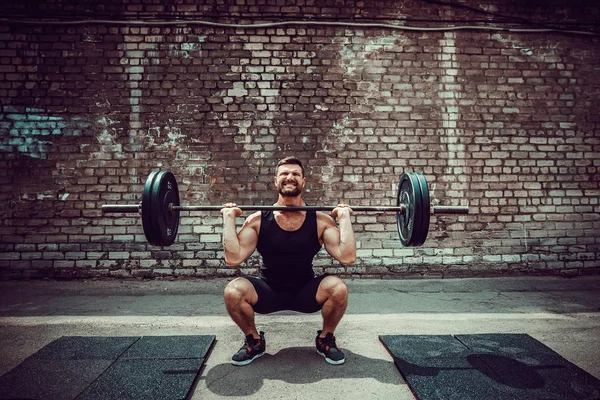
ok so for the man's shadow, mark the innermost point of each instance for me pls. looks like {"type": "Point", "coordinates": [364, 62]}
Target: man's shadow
{"type": "Point", "coordinates": [298, 365]}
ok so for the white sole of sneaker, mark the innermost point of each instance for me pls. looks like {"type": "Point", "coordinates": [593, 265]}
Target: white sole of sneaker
{"type": "Point", "coordinates": [330, 361]}
{"type": "Point", "coordinates": [248, 361]}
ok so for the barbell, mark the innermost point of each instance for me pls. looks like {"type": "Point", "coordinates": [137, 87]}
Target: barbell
{"type": "Point", "coordinates": [160, 208]}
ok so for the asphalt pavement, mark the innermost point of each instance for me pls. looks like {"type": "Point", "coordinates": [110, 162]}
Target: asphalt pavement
{"type": "Point", "coordinates": [562, 313]}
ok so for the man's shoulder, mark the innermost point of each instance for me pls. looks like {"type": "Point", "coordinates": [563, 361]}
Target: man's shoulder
{"type": "Point", "coordinates": [253, 220]}
{"type": "Point", "coordinates": [324, 218]}
{"type": "Point", "coordinates": [255, 216]}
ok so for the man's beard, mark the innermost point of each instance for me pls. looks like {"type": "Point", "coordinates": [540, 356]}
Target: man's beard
{"type": "Point", "coordinates": [293, 193]}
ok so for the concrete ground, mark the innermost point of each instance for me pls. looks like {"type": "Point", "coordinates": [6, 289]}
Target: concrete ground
{"type": "Point", "coordinates": [562, 313]}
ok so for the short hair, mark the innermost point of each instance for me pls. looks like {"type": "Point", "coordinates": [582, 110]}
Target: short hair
{"type": "Point", "coordinates": [290, 160]}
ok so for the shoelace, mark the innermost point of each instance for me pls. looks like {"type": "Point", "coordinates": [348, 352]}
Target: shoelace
{"type": "Point", "coordinates": [247, 345]}
{"type": "Point", "coordinates": [329, 341]}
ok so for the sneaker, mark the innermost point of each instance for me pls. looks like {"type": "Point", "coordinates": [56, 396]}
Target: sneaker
{"type": "Point", "coordinates": [250, 351]}
{"type": "Point", "coordinates": [327, 348]}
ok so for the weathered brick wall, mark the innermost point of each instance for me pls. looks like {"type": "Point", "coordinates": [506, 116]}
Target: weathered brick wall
{"type": "Point", "coordinates": [506, 122]}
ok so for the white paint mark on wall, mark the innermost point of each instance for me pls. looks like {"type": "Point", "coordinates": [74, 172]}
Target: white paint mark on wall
{"type": "Point", "coordinates": [335, 141]}
{"type": "Point", "coordinates": [165, 137]}
{"type": "Point", "coordinates": [238, 90]}
{"type": "Point", "coordinates": [185, 50]}
{"type": "Point", "coordinates": [349, 60]}
{"type": "Point", "coordinates": [174, 134]}
{"type": "Point", "coordinates": [108, 133]}
{"type": "Point", "coordinates": [104, 103]}
{"type": "Point", "coordinates": [188, 109]}
{"type": "Point", "coordinates": [510, 42]}
{"type": "Point", "coordinates": [190, 46]}
{"type": "Point", "coordinates": [134, 76]}
{"type": "Point", "coordinates": [432, 194]}
{"type": "Point", "coordinates": [243, 126]}
{"type": "Point", "coordinates": [152, 133]}
{"type": "Point", "coordinates": [263, 127]}
{"type": "Point", "coordinates": [354, 58]}
{"type": "Point", "coordinates": [449, 95]}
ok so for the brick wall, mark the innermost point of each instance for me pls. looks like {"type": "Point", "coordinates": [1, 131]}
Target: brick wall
{"type": "Point", "coordinates": [506, 122]}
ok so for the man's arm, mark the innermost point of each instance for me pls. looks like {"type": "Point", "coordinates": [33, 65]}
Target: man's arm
{"type": "Point", "coordinates": [239, 246]}
{"type": "Point", "coordinates": [339, 243]}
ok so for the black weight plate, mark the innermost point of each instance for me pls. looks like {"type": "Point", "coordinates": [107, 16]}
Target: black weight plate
{"type": "Point", "coordinates": [418, 216]}
{"type": "Point", "coordinates": [426, 210]}
{"type": "Point", "coordinates": [165, 223]}
{"type": "Point", "coordinates": [147, 209]}
{"type": "Point", "coordinates": [404, 221]}
{"type": "Point", "coordinates": [409, 224]}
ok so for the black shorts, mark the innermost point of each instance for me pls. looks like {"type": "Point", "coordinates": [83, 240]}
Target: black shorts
{"type": "Point", "coordinates": [275, 298]}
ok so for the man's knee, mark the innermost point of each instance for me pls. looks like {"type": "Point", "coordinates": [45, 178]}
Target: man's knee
{"type": "Point", "coordinates": [333, 288]}
{"type": "Point", "coordinates": [238, 290]}
{"type": "Point", "coordinates": [235, 290]}
{"type": "Point", "coordinates": [340, 291]}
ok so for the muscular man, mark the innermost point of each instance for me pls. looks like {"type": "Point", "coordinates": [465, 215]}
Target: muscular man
{"type": "Point", "coordinates": [287, 242]}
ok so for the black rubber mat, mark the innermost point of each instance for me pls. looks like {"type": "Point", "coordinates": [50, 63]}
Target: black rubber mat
{"type": "Point", "coordinates": [169, 347]}
{"type": "Point", "coordinates": [77, 367]}
{"type": "Point", "coordinates": [63, 368]}
{"type": "Point", "coordinates": [487, 366]}
{"type": "Point", "coordinates": [145, 379]}
{"type": "Point", "coordinates": [85, 348]}
{"type": "Point", "coordinates": [155, 367]}
{"type": "Point", "coordinates": [50, 379]}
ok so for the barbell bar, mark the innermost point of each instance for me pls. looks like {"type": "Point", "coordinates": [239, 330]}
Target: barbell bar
{"type": "Point", "coordinates": [160, 208]}
{"type": "Point", "coordinates": [131, 208]}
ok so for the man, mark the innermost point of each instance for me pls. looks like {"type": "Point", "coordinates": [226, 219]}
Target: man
{"type": "Point", "coordinates": [287, 242]}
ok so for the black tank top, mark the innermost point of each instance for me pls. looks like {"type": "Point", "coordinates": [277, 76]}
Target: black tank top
{"type": "Point", "coordinates": [287, 255]}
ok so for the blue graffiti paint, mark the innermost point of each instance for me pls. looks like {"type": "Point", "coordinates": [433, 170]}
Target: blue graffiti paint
{"type": "Point", "coordinates": [30, 131]}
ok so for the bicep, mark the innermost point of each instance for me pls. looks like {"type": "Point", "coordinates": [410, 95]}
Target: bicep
{"type": "Point", "coordinates": [331, 240]}
{"type": "Point", "coordinates": [248, 238]}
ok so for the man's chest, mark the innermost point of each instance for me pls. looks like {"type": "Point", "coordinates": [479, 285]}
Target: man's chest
{"type": "Point", "coordinates": [290, 222]}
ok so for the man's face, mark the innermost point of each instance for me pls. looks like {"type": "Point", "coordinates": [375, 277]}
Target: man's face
{"type": "Point", "coordinates": [289, 180]}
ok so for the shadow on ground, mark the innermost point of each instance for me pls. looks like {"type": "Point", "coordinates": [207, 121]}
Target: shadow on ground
{"type": "Point", "coordinates": [297, 365]}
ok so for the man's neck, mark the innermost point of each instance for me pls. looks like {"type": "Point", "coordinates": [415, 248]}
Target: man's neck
{"type": "Point", "coordinates": [290, 201]}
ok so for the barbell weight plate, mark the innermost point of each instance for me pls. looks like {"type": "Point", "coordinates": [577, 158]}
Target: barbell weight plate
{"type": "Point", "coordinates": [165, 222]}
{"type": "Point", "coordinates": [410, 223]}
{"type": "Point", "coordinates": [147, 209]}
{"type": "Point", "coordinates": [426, 209]}
{"type": "Point", "coordinates": [418, 216]}
{"type": "Point", "coordinates": [405, 221]}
